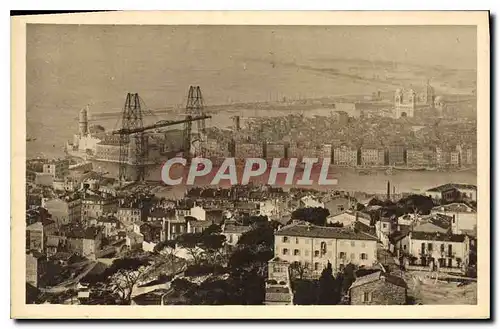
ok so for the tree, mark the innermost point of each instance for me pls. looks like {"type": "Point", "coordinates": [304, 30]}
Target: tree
{"type": "Point", "coordinates": [212, 229]}
{"type": "Point", "coordinates": [170, 259]}
{"type": "Point", "coordinates": [190, 242]}
{"type": "Point", "coordinates": [159, 247]}
{"type": "Point", "coordinates": [263, 235]}
{"type": "Point", "coordinates": [249, 259]}
{"type": "Point", "coordinates": [349, 276]}
{"type": "Point", "coordinates": [416, 202]}
{"type": "Point", "coordinates": [316, 216]}
{"type": "Point", "coordinates": [329, 294]}
{"type": "Point", "coordinates": [124, 274]}
{"type": "Point", "coordinates": [212, 244]}
{"type": "Point", "coordinates": [255, 220]}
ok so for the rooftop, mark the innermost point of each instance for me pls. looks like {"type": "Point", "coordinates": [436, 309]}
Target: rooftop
{"type": "Point", "coordinates": [313, 231]}
{"type": "Point", "coordinates": [442, 221]}
{"type": "Point", "coordinates": [416, 235]}
{"type": "Point", "coordinates": [83, 233]}
{"type": "Point", "coordinates": [150, 298]}
{"type": "Point", "coordinates": [455, 207]}
{"type": "Point", "coordinates": [373, 277]}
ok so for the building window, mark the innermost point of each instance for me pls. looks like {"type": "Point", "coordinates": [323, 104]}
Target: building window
{"type": "Point", "coordinates": [296, 252]}
{"type": "Point", "coordinates": [307, 265]}
{"type": "Point", "coordinates": [429, 247]}
{"type": "Point", "coordinates": [285, 251]}
{"type": "Point", "coordinates": [363, 245]}
{"type": "Point", "coordinates": [404, 247]}
{"type": "Point", "coordinates": [316, 266]}
{"type": "Point", "coordinates": [342, 255]}
{"type": "Point", "coordinates": [367, 297]}
{"type": "Point", "coordinates": [384, 225]}
{"type": "Point", "coordinates": [323, 248]}
{"type": "Point", "coordinates": [353, 243]}
{"type": "Point", "coordinates": [352, 256]}
{"type": "Point", "coordinates": [316, 253]}
{"type": "Point", "coordinates": [285, 239]}
{"type": "Point", "coordinates": [363, 256]}
{"type": "Point", "coordinates": [296, 240]}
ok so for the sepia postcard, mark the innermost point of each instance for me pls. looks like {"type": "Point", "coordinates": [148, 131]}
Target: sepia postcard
{"type": "Point", "coordinates": [251, 165]}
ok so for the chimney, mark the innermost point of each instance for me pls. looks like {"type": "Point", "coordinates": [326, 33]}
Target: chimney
{"type": "Point", "coordinates": [388, 190]}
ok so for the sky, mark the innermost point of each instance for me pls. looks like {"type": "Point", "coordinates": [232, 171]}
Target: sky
{"type": "Point", "coordinates": [70, 66]}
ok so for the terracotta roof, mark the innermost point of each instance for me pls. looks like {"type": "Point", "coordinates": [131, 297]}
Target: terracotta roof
{"type": "Point", "coordinates": [80, 233]}
{"type": "Point", "coordinates": [323, 232]}
{"type": "Point", "coordinates": [200, 223]}
{"type": "Point", "coordinates": [441, 221]}
{"type": "Point", "coordinates": [108, 219]}
{"type": "Point", "coordinates": [162, 213]}
{"type": "Point", "coordinates": [455, 207]}
{"type": "Point", "coordinates": [277, 259]}
{"type": "Point", "coordinates": [370, 230]}
{"type": "Point", "coordinates": [150, 298]}
{"type": "Point", "coordinates": [437, 236]}
{"type": "Point", "coordinates": [373, 277]}
{"type": "Point", "coordinates": [398, 235]}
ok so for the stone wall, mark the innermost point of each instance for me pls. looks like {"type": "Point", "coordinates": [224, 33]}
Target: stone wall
{"type": "Point", "coordinates": [382, 293]}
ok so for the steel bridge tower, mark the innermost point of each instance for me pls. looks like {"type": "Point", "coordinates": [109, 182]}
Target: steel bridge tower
{"type": "Point", "coordinates": [133, 148]}
{"type": "Point", "coordinates": [194, 108]}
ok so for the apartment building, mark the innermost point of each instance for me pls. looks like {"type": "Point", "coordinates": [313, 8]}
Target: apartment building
{"type": "Point", "coordinates": [345, 156]}
{"type": "Point", "coordinates": [57, 168]}
{"type": "Point", "coordinates": [449, 250]}
{"type": "Point", "coordinates": [372, 156]}
{"type": "Point", "coordinates": [314, 246]}
{"type": "Point", "coordinates": [464, 217]}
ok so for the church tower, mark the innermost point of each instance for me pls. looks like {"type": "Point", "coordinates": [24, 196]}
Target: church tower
{"type": "Point", "coordinates": [429, 95]}
{"type": "Point", "coordinates": [83, 123]}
